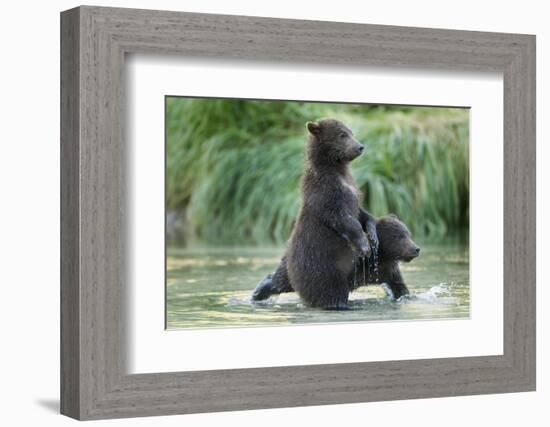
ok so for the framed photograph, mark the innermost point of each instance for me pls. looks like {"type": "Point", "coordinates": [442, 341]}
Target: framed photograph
{"type": "Point", "coordinates": [261, 213]}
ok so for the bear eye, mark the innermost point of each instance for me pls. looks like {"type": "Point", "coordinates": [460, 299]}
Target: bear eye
{"type": "Point", "coordinates": [343, 135]}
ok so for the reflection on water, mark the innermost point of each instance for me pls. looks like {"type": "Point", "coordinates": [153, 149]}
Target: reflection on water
{"type": "Point", "coordinates": [211, 287]}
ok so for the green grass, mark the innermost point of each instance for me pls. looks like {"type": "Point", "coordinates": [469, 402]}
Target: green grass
{"type": "Point", "coordinates": [233, 166]}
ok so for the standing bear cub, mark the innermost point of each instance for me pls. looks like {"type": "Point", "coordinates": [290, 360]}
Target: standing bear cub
{"type": "Point", "coordinates": [331, 226]}
{"type": "Point", "coordinates": [395, 245]}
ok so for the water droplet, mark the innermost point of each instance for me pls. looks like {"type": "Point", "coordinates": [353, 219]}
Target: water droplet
{"type": "Point", "coordinates": [364, 273]}
{"type": "Point", "coordinates": [354, 273]}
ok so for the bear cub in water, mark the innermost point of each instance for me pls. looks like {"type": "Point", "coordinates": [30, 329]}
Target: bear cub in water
{"type": "Point", "coordinates": [395, 245]}
{"type": "Point", "coordinates": [331, 229]}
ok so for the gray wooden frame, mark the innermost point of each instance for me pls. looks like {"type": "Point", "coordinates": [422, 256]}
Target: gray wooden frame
{"type": "Point", "coordinates": [94, 41]}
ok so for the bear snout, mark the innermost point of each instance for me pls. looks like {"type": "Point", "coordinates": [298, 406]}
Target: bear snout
{"type": "Point", "coordinates": [412, 253]}
{"type": "Point", "coordinates": [357, 150]}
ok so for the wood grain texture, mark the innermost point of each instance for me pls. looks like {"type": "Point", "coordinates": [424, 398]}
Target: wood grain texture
{"type": "Point", "coordinates": [70, 263]}
{"type": "Point", "coordinates": [94, 381]}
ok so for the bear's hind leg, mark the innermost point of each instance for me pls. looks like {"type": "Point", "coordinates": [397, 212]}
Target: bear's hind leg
{"type": "Point", "coordinates": [391, 275]}
{"type": "Point", "coordinates": [264, 289]}
{"type": "Point", "coordinates": [398, 289]}
{"type": "Point", "coordinates": [334, 292]}
{"type": "Point", "coordinates": [273, 284]}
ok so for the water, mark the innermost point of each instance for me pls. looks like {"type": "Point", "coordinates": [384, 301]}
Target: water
{"type": "Point", "coordinates": [211, 287]}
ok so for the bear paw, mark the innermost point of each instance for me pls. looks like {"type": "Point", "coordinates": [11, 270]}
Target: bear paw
{"type": "Point", "coordinates": [337, 306]}
{"type": "Point", "coordinates": [264, 289]}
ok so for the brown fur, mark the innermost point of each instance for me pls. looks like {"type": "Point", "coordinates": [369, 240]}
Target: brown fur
{"type": "Point", "coordinates": [327, 232]}
{"type": "Point", "coordinates": [395, 246]}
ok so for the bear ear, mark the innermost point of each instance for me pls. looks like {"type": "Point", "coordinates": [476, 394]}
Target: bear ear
{"type": "Point", "coordinates": [313, 128]}
{"type": "Point", "coordinates": [394, 216]}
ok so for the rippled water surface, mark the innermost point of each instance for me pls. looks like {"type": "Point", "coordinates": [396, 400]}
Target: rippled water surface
{"type": "Point", "coordinates": [211, 287]}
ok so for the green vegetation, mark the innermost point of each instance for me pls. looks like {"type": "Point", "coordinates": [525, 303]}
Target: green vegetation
{"type": "Point", "coordinates": [233, 166]}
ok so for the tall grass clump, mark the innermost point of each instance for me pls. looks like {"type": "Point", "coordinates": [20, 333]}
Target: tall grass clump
{"type": "Point", "coordinates": [417, 166]}
{"type": "Point", "coordinates": [233, 166]}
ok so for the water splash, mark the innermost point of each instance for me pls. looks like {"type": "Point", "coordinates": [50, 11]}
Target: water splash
{"type": "Point", "coordinates": [375, 266]}
{"type": "Point", "coordinates": [437, 294]}
{"type": "Point", "coordinates": [388, 291]}
{"type": "Point", "coordinates": [235, 301]}
{"type": "Point", "coordinates": [277, 300]}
